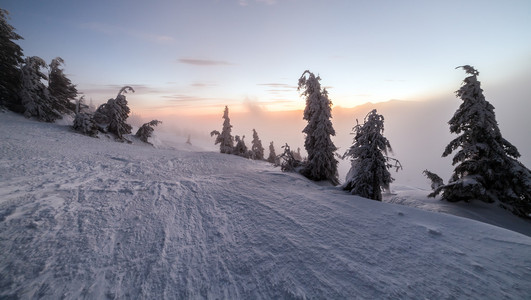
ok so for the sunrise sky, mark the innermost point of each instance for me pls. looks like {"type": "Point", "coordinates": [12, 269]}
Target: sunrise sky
{"type": "Point", "coordinates": [200, 55]}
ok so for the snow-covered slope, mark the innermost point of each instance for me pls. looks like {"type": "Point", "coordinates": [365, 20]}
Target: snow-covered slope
{"type": "Point", "coordinates": [92, 218]}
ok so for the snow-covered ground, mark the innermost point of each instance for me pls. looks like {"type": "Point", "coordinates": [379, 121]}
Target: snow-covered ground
{"type": "Point", "coordinates": [92, 218]}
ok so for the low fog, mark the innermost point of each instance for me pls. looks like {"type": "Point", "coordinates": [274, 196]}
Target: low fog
{"type": "Point", "coordinates": [417, 130]}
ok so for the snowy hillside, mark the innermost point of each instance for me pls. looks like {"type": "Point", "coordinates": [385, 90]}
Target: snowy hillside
{"type": "Point", "coordinates": [92, 218]}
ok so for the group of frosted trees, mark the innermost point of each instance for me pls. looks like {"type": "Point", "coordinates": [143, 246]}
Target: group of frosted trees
{"type": "Point", "coordinates": [30, 86]}
{"type": "Point", "coordinates": [26, 88]}
{"type": "Point", "coordinates": [235, 144]}
{"type": "Point", "coordinates": [486, 169]}
{"type": "Point", "coordinates": [369, 173]}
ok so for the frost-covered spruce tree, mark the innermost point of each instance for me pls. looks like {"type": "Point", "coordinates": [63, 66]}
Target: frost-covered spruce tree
{"type": "Point", "coordinates": [321, 163]}
{"type": "Point", "coordinates": [111, 116]}
{"type": "Point", "coordinates": [486, 164]}
{"type": "Point", "coordinates": [224, 139]}
{"type": "Point", "coordinates": [10, 59]}
{"type": "Point", "coordinates": [256, 148]}
{"type": "Point", "coordinates": [34, 95]}
{"type": "Point", "coordinates": [61, 88]}
{"type": "Point", "coordinates": [241, 149]}
{"type": "Point", "coordinates": [369, 174]}
{"type": "Point", "coordinates": [272, 158]}
{"type": "Point", "coordinates": [145, 131]}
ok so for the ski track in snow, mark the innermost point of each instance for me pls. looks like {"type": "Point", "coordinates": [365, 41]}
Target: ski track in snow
{"type": "Point", "coordinates": [92, 218]}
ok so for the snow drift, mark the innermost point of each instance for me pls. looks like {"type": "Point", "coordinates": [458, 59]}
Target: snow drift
{"type": "Point", "coordinates": [93, 218]}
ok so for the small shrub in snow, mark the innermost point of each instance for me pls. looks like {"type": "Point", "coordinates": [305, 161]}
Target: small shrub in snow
{"type": "Point", "coordinates": [84, 123]}
{"type": "Point", "coordinates": [224, 139]}
{"type": "Point", "coordinates": [288, 163]}
{"type": "Point", "coordinates": [145, 131]}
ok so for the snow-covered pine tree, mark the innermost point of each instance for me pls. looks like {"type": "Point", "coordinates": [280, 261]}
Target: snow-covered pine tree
{"type": "Point", "coordinates": [145, 131]}
{"type": "Point", "coordinates": [256, 148]}
{"type": "Point", "coordinates": [34, 95]}
{"type": "Point", "coordinates": [111, 116]}
{"type": "Point", "coordinates": [272, 158]}
{"type": "Point", "coordinates": [241, 149]}
{"type": "Point", "coordinates": [321, 163]}
{"type": "Point", "coordinates": [369, 174]}
{"type": "Point", "coordinates": [487, 167]}
{"type": "Point", "coordinates": [224, 139]}
{"type": "Point", "coordinates": [11, 58]}
{"type": "Point", "coordinates": [61, 88]}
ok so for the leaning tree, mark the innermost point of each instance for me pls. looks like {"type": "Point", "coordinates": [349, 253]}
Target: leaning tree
{"type": "Point", "coordinates": [61, 88]}
{"type": "Point", "coordinates": [111, 116]}
{"type": "Point", "coordinates": [486, 165]}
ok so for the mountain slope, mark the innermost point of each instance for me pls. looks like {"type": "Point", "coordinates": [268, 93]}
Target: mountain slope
{"type": "Point", "coordinates": [92, 218]}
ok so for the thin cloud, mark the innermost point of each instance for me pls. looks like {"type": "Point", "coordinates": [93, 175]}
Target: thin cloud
{"type": "Point", "coordinates": [202, 84]}
{"type": "Point", "coordinates": [278, 85]}
{"type": "Point", "coordinates": [110, 90]}
{"type": "Point", "coordinates": [204, 62]}
{"type": "Point", "coordinates": [186, 99]}
{"type": "Point", "coordinates": [108, 29]}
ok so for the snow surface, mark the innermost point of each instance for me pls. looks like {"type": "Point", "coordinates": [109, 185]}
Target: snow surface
{"type": "Point", "coordinates": [93, 218]}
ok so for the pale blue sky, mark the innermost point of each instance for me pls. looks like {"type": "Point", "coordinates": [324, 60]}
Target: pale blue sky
{"type": "Point", "coordinates": [204, 54]}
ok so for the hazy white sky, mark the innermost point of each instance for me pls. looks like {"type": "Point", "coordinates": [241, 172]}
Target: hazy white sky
{"type": "Point", "coordinates": [199, 55]}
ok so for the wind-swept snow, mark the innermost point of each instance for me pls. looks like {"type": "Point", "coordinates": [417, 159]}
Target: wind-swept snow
{"type": "Point", "coordinates": [92, 218]}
